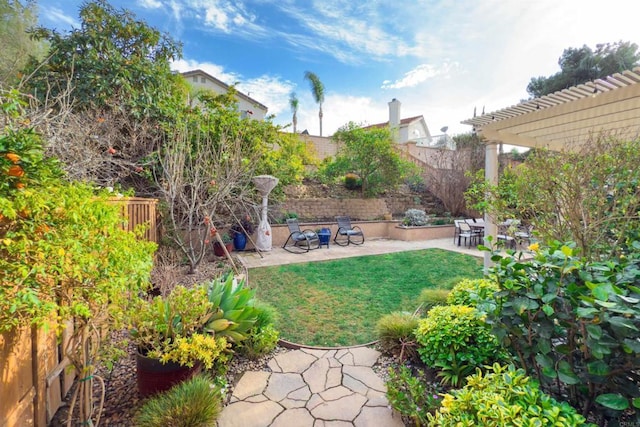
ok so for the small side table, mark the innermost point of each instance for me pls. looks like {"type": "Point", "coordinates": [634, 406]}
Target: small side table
{"type": "Point", "coordinates": [324, 236]}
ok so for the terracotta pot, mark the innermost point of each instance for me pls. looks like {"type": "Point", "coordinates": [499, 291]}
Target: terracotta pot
{"type": "Point", "coordinates": [217, 248]}
{"type": "Point", "coordinates": [155, 377]}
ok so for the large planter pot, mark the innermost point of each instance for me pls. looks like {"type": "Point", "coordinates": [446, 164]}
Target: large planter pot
{"type": "Point", "coordinates": [217, 248]}
{"type": "Point", "coordinates": [154, 376]}
{"type": "Point", "coordinates": [239, 241]}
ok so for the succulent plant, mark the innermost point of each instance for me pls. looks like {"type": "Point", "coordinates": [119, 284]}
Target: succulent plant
{"type": "Point", "coordinates": [233, 308]}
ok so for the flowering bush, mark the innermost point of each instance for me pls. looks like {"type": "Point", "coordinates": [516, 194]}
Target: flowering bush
{"type": "Point", "coordinates": [415, 218]}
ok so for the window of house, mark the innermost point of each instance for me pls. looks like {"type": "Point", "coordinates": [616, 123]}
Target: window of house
{"type": "Point", "coordinates": [195, 79]}
{"type": "Point", "coordinates": [203, 79]}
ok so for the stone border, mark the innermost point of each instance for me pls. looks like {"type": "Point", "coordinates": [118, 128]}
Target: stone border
{"type": "Point", "coordinates": [296, 346]}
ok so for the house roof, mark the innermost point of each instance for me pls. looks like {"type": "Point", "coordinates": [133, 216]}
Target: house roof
{"type": "Point", "coordinates": [403, 122]}
{"type": "Point", "coordinates": [609, 105]}
{"type": "Point", "coordinates": [225, 86]}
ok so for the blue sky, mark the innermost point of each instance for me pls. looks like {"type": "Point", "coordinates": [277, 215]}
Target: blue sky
{"type": "Point", "coordinates": [440, 58]}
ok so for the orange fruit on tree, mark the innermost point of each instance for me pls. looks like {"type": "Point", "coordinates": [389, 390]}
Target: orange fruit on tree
{"type": "Point", "coordinates": [12, 157]}
{"type": "Point", "coordinates": [16, 171]}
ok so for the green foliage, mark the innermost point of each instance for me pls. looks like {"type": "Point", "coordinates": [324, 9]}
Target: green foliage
{"type": "Point", "coordinates": [574, 323]}
{"type": "Point", "coordinates": [260, 341]}
{"type": "Point", "coordinates": [266, 314]}
{"type": "Point", "coordinates": [51, 233]}
{"type": "Point", "coordinates": [581, 65]}
{"type": "Point", "coordinates": [412, 396]}
{"type": "Point", "coordinates": [16, 19]}
{"type": "Point", "coordinates": [416, 182]}
{"type": "Point", "coordinates": [473, 292]}
{"type": "Point", "coordinates": [588, 195]}
{"type": "Point", "coordinates": [286, 157]}
{"type": "Point", "coordinates": [395, 334]}
{"type": "Point", "coordinates": [415, 218]}
{"type": "Point", "coordinates": [263, 337]}
{"type": "Point", "coordinates": [503, 397]}
{"type": "Point", "coordinates": [111, 61]}
{"type": "Point", "coordinates": [456, 340]}
{"type": "Point", "coordinates": [171, 328]}
{"type": "Point", "coordinates": [22, 160]}
{"type": "Point", "coordinates": [431, 297]}
{"type": "Point", "coordinates": [192, 403]}
{"type": "Point", "coordinates": [234, 314]}
{"type": "Point", "coordinates": [369, 153]}
{"type": "Point", "coordinates": [352, 181]}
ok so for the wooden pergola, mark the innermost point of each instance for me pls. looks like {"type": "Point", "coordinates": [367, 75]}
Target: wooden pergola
{"type": "Point", "coordinates": [561, 120]}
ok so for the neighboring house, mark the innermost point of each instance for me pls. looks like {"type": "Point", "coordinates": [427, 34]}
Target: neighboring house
{"type": "Point", "coordinates": [247, 106]}
{"type": "Point", "coordinates": [413, 130]}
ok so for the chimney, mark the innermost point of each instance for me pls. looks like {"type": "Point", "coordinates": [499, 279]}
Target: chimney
{"type": "Point", "coordinates": [394, 118]}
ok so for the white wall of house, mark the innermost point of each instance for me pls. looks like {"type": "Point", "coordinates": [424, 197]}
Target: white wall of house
{"type": "Point", "coordinates": [247, 106]}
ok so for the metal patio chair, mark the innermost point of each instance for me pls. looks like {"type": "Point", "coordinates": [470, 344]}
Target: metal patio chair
{"type": "Point", "coordinates": [300, 241]}
{"type": "Point", "coordinates": [347, 233]}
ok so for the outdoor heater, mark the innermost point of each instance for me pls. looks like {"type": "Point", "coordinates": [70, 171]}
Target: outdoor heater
{"type": "Point", "coordinates": [264, 184]}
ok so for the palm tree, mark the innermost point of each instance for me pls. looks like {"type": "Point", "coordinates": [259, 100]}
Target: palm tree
{"type": "Point", "coordinates": [293, 102]}
{"type": "Point", "coordinates": [317, 90]}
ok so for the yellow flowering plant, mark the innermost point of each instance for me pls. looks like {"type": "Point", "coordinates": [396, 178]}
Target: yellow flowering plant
{"type": "Point", "coordinates": [172, 328]}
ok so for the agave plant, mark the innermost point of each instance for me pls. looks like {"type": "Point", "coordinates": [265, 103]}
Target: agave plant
{"type": "Point", "coordinates": [233, 308]}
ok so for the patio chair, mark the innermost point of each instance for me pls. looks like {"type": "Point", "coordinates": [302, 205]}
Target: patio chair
{"type": "Point", "coordinates": [463, 230]}
{"type": "Point", "coordinates": [346, 233]}
{"type": "Point", "coordinates": [505, 234]}
{"type": "Point", "coordinates": [300, 241]}
{"type": "Point", "coordinates": [523, 233]}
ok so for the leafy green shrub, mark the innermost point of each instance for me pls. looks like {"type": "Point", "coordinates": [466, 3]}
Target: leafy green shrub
{"type": "Point", "coordinates": [192, 403]}
{"type": "Point", "coordinates": [352, 181]}
{"type": "Point", "coordinates": [430, 298]}
{"type": "Point", "coordinates": [266, 314]}
{"type": "Point", "coordinates": [574, 324]}
{"type": "Point", "coordinates": [260, 341]}
{"type": "Point", "coordinates": [395, 334]}
{"type": "Point", "coordinates": [473, 292]}
{"type": "Point", "coordinates": [412, 396]}
{"type": "Point", "coordinates": [416, 183]}
{"type": "Point", "coordinates": [457, 340]}
{"type": "Point", "coordinates": [415, 218]}
{"type": "Point", "coordinates": [503, 397]}
{"type": "Point", "coordinates": [263, 337]}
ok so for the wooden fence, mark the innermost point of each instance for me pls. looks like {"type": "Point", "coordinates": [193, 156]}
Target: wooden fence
{"type": "Point", "coordinates": [139, 211]}
{"type": "Point", "coordinates": [35, 378]}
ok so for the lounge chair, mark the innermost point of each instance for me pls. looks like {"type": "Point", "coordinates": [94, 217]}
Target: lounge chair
{"type": "Point", "coordinates": [346, 233]}
{"type": "Point", "coordinates": [300, 241]}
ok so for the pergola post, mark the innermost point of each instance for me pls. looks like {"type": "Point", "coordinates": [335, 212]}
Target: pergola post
{"type": "Point", "coordinates": [491, 177]}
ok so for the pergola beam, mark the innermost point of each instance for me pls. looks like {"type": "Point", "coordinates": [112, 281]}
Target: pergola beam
{"type": "Point", "coordinates": [565, 119]}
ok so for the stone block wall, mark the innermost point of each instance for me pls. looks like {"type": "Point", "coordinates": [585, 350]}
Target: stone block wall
{"type": "Point", "coordinates": [358, 209]}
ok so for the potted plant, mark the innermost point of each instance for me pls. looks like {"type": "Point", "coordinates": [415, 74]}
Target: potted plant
{"type": "Point", "coordinates": [171, 340]}
{"type": "Point", "coordinates": [228, 243]}
{"type": "Point", "coordinates": [240, 231]}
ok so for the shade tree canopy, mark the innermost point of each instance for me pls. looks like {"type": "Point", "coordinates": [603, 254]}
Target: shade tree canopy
{"type": "Point", "coordinates": [580, 65]}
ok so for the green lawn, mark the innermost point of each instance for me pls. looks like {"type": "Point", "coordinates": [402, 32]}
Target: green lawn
{"type": "Point", "coordinates": [338, 302]}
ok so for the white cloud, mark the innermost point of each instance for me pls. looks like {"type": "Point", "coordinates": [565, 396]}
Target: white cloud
{"type": "Point", "coordinates": [150, 4]}
{"type": "Point", "coordinates": [420, 74]}
{"type": "Point", "coordinates": [59, 17]}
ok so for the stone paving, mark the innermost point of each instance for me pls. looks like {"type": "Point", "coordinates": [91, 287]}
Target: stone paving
{"type": "Point", "coordinates": [312, 388]}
